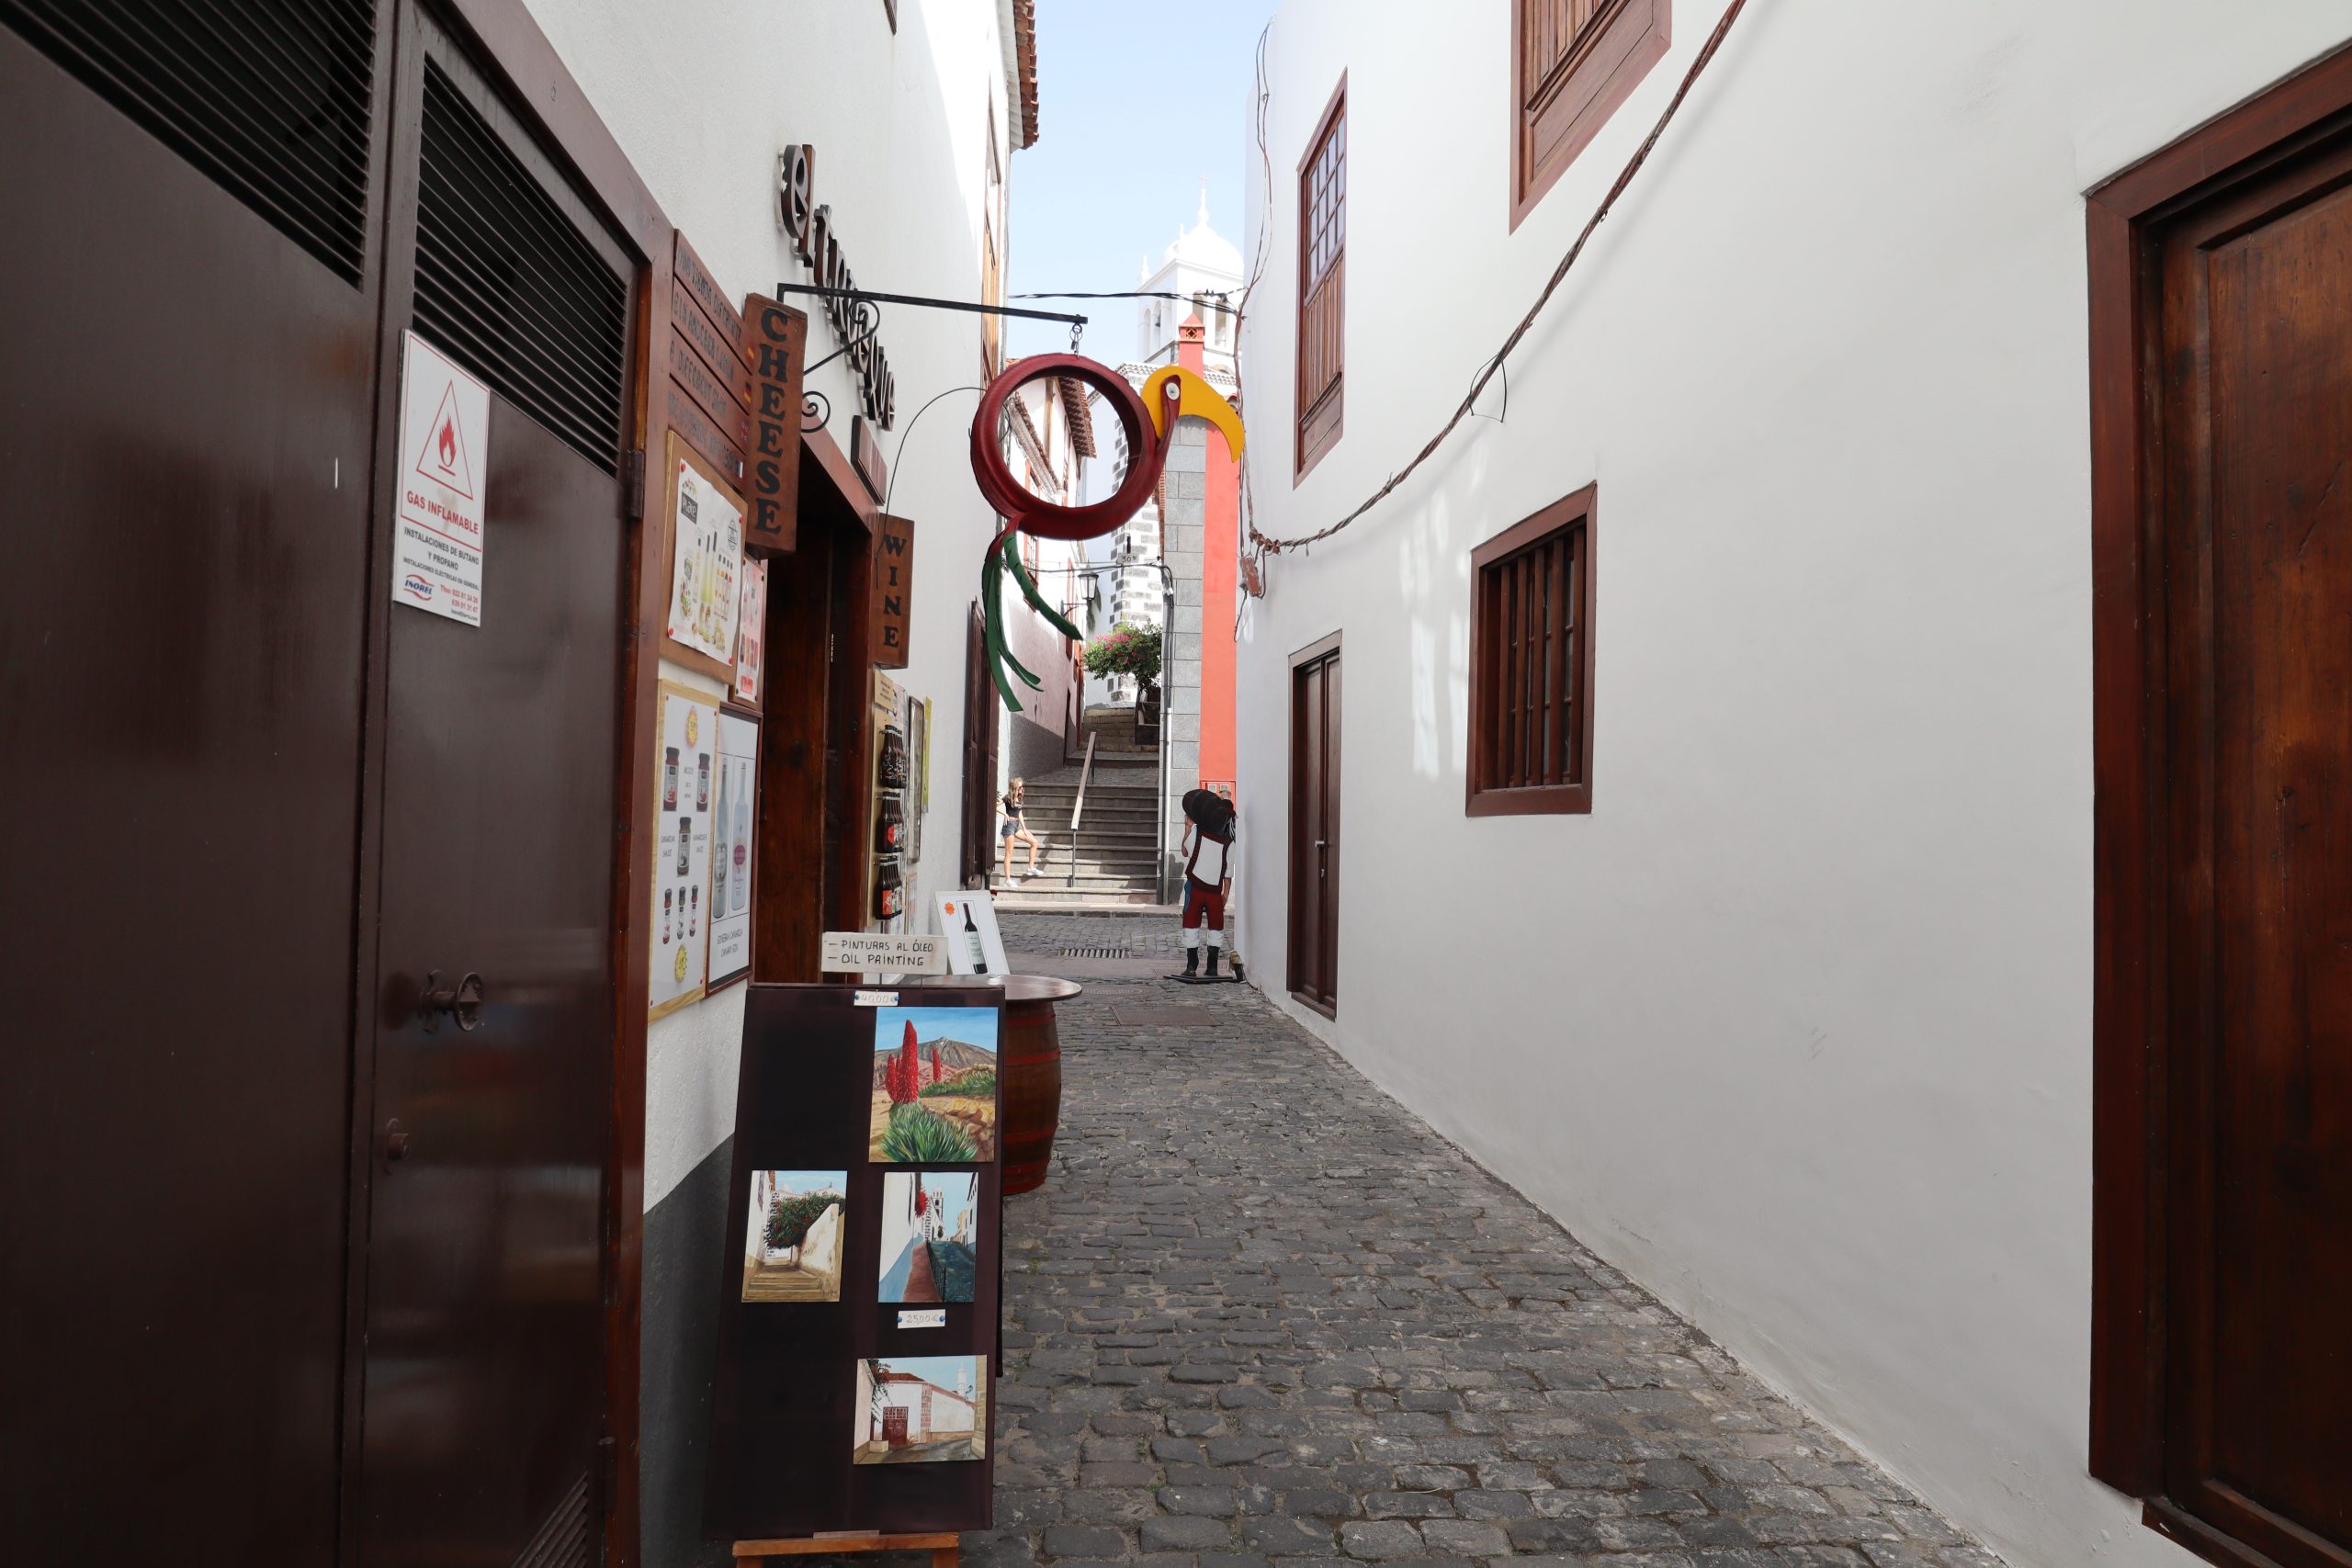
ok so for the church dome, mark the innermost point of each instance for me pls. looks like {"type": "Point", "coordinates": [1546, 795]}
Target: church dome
{"type": "Point", "coordinates": [1202, 247]}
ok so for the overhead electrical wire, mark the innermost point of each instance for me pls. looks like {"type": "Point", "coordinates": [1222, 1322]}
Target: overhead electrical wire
{"type": "Point", "coordinates": [1203, 297]}
{"type": "Point", "coordinates": [1494, 364]}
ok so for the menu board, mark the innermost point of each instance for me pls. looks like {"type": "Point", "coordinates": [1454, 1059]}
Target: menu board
{"type": "Point", "coordinates": [685, 779]}
{"type": "Point", "coordinates": [735, 811]}
{"type": "Point", "coordinates": [706, 565]}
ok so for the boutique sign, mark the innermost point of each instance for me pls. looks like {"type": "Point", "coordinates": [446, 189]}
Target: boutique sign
{"type": "Point", "coordinates": [810, 228]}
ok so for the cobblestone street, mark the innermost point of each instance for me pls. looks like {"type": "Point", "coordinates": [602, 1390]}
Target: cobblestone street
{"type": "Point", "coordinates": [1261, 1315]}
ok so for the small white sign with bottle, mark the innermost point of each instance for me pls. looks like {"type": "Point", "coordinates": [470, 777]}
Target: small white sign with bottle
{"type": "Point", "coordinates": [968, 923]}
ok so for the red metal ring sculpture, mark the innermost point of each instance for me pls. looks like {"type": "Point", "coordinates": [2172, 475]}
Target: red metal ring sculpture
{"type": "Point", "coordinates": [1032, 514]}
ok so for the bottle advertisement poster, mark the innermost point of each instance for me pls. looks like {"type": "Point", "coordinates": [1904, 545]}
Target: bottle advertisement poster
{"type": "Point", "coordinates": [685, 786]}
{"type": "Point", "coordinates": [730, 860]}
{"type": "Point", "coordinates": [706, 564]}
{"type": "Point", "coordinates": [967, 922]}
{"type": "Point", "coordinates": [752, 633]}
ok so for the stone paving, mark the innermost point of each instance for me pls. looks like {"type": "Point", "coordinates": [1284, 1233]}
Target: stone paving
{"type": "Point", "coordinates": [1261, 1316]}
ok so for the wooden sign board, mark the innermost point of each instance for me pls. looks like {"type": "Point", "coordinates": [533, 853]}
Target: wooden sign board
{"type": "Point", "coordinates": [708, 389]}
{"type": "Point", "coordinates": [894, 588]}
{"type": "Point", "coordinates": [866, 457]}
{"type": "Point", "coordinates": [774, 341]}
{"type": "Point", "coordinates": [858, 1293]}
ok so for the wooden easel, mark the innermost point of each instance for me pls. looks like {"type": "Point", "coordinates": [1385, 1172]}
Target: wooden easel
{"type": "Point", "coordinates": [943, 1548]}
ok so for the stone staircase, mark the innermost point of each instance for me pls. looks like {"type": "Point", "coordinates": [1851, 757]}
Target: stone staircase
{"type": "Point", "coordinates": [1113, 858]}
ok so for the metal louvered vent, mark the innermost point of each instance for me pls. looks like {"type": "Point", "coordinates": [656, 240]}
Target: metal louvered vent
{"type": "Point", "coordinates": [564, 1540]}
{"type": "Point", "coordinates": [506, 285]}
{"type": "Point", "coordinates": [268, 97]}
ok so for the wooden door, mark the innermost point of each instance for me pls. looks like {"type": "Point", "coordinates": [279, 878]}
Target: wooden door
{"type": "Point", "coordinates": [2256, 332]}
{"type": "Point", "coordinates": [894, 1425]}
{"type": "Point", "coordinates": [1314, 945]}
{"type": "Point", "coordinates": [980, 704]}
{"type": "Point", "coordinates": [483, 1391]}
{"type": "Point", "coordinates": [189, 391]}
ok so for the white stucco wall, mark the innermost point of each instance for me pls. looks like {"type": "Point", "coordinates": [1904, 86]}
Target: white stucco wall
{"type": "Point", "coordinates": [1796, 1026]}
{"type": "Point", "coordinates": [703, 96]}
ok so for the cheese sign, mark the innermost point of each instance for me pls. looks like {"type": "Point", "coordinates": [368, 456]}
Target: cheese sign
{"type": "Point", "coordinates": [775, 338]}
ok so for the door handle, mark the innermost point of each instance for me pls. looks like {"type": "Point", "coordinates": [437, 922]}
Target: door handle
{"type": "Point", "coordinates": [462, 1001]}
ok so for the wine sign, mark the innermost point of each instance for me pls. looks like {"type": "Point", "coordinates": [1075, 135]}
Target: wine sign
{"type": "Point", "coordinates": [894, 590]}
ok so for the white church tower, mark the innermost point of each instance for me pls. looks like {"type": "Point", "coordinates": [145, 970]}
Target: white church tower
{"type": "Point", "coordinates": [1203, 269]}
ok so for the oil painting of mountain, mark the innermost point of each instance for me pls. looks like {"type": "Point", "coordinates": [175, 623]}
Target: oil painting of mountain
{"type": "Point", "coordinates": [934, 1086]}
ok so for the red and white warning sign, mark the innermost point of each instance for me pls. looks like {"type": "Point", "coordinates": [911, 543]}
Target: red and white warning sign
{"type": "Point", "coordinates": [445, 441]}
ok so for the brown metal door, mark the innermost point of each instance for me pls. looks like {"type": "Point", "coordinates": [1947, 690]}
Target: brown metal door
{"type": "Point", "coordinates": [2256, 307]}
{"type": "Point", "coordinates": [980, 704]}
{"type": "Point", "coordinates": [1313, 947]}
{"type": "Point", "coordinates": [484, 1390]}
{"type": "Point", "coordinates": [190, 392]}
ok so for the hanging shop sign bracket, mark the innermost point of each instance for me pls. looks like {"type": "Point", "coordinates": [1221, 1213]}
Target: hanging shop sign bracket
{"type": "Point", "coordinates": [867, 295]}
{"type": "Point", "coordinates": [857, 317]}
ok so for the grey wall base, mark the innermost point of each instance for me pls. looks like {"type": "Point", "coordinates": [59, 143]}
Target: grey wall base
{"type": "Point", "coordinates": [685, 1247]}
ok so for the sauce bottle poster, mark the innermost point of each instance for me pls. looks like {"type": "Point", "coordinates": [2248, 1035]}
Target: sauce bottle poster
{"type": "Point", "coordinates": [678, 928]}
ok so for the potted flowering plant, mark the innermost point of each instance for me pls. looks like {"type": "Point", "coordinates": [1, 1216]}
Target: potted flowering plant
{"type": "Point", "coordinates": [1126, 650]}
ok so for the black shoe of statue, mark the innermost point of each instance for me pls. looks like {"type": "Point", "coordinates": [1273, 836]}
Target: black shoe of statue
{"type": "Point", "coordinates": [1215, 953]}
{"type": "Point", "coordinates": [1192, 965]}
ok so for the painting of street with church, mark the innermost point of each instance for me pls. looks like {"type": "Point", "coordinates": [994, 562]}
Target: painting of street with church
{"type": "Point", "coordinates": [920, 1409]}
{"type": "Point", "coordinates": [929, 1233]}
{"type": "Point", "coordinates": [934, 1086]}
{"type": "Point", "coordinates": [792, 1245]}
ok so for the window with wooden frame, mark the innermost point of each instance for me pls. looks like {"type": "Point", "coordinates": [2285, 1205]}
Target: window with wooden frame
{"type": "Point", "coordinates": [1322, 279]}
{"type": "Point", "coordinates": [1531, 664]}
{"type": "Point", "coordinates": [1573, 62]}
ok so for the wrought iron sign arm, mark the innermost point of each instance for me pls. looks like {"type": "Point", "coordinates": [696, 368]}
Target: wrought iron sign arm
{"type": "Point", "coordinates": [869, 295]}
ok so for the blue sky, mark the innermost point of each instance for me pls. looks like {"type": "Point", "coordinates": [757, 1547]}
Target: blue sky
{"type": "Point", "coordinates": [811, 1180]}
{"type": "Point", "coordinates": [1104, 187]}
{"type": "Point", "coordinates": [972, 1026]}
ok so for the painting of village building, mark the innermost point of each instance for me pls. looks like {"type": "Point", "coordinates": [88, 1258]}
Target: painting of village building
{"type": "Point", "coordinates": [929, 1233]}
{"type": "Point", "coordinates": [934, 1086]}
{"type": "Point", "coordinates": [792, 1248]}
{"type": "Point", "coordinates": [920, 1409]}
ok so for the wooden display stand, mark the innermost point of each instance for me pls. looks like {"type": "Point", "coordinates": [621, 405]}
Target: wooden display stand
{"type": "Point", "coordinates": [942, 1548]}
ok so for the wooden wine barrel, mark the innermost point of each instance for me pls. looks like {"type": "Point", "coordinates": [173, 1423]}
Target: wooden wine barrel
{"type": "Point", "coordinates": [1030, 1077]}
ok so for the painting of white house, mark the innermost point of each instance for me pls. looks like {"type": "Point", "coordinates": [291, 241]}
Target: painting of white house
{"type": "Point", "coordinates": [792, 1243]}
{"type": "Point", "coordinates": [920, 1409]}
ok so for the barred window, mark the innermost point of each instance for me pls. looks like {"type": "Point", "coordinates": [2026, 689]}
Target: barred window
{"type": "Point", "coordinates": [1530, 672]}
